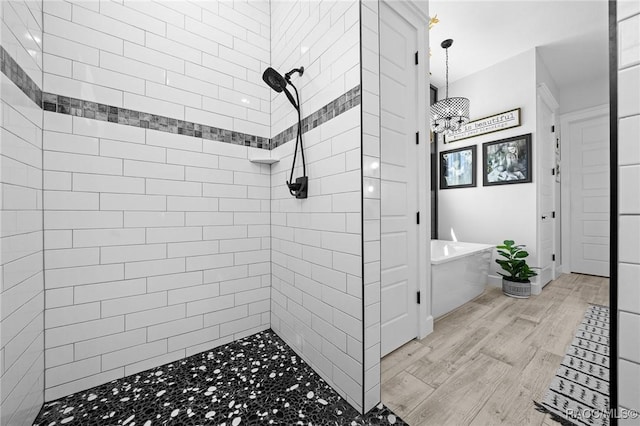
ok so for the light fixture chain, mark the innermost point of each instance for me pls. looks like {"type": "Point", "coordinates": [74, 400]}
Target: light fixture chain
{"type": "Point", "coordinates": [449, 114]}
{"type": "Point", "coordinates": [446, 94]}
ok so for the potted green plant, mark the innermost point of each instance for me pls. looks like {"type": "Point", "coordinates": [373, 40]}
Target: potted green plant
{"type": "Point", "coordinates": [516, 283]}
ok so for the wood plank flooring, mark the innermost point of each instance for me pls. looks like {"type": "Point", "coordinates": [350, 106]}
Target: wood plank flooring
{"type": "Point", "coordinates": [487, 361]}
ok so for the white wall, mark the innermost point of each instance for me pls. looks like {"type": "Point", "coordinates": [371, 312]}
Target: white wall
{"type": "Point", "coordinates": [316, 243]}
{"type": "Point", "coordinates": [21, 279]}
{"type": "Point", "coordinates": [495, 213]}
{"type": "Point", "coordinates": [543, 75]}
{"type": "Point", "coordinates": [193, 61]}
{"type": "Point", "coordinates": [157, 244]}
{"type": "Point", "coordinates": [157, 247]}
{"type": "Point", "coordinates": [628, 206]}
{"type": "Point", "coordinates": [316, 298]}
{"type": "Point", "coordinates": [322, 36]}
{"type": "Point", "coordinates": [584, 95]}
{"type": "Point", "coordinates": [371, 202]}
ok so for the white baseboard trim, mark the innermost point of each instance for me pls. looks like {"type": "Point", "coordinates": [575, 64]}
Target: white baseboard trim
{"type": "Point", "coordinates": [495, 281]}
{"type": "Point", "coordinates": [536, 288]}
{"type": "Point", "coordinates": [428, 327]}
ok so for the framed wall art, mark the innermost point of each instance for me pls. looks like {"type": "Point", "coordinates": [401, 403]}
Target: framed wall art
{"type": "Point", "coordinates": [458, 168]}
{"type": "Point", "coordinates": [507, 161]}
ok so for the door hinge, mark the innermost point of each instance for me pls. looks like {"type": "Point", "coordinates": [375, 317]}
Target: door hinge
{"type": "Point", "coordinates": [553, 129]}
{"type": "Point", "coordinates": [418, 218]}
{"type": "Point", "coordinates": [553, 171]}
{"type": "Point", "coordinates": [418, 297]}
{"type": "Point", "coordinates": [417, 138]}
{"type": "Point", "coordinates": [553, 257]}
{"type": "Point", "coordinates": [416, 58]}
{"type": "Point", "coordinates": [553, 215]}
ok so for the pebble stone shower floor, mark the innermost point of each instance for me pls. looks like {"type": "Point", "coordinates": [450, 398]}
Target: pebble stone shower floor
{"type": "Point", "coordinates": [257, 380]}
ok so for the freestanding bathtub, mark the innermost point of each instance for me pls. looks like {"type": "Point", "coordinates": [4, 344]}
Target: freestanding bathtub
{"type": "Point", "coordinates": [459, 273]}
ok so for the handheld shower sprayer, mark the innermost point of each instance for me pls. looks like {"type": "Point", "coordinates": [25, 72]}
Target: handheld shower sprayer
{"type": "Point", "coordinates": [279, 83]}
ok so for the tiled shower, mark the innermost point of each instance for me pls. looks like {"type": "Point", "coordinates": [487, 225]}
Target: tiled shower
{"type": "Point", "coordinates": [142, 219]}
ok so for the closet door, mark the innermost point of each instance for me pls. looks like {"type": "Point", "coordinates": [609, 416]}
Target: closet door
{"type": "Point", "coordinates": [399, 177]}
{"type": "Point", "coordinates": [589, 139]}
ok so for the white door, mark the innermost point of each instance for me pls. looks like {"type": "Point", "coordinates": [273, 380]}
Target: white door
{"type": "Point", "coordinates": [589, 139]}
{"type": "Point", "coordinates": [398, 186]}
{"type": "Point", "coordinates": [547, 217]}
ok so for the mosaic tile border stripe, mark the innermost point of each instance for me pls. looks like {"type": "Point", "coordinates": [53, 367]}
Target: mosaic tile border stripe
{"type": "Point", "coordinates": [97, 111]}
{"type": "Point", "coordinates": [19, 77]}
{"type": "Point", "coordinates": [341, 104]}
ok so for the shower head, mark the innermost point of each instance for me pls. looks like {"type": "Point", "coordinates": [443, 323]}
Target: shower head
{"type": "Point", "coordinates": [279, 83]}
{"type": "Point", "coordinates": [274, 79]}
{"type": "Point", "coordinates": [297, 188]}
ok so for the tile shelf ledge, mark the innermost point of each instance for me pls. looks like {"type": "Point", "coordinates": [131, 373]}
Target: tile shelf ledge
{"type": "Point", "coordinates": [263, 159]}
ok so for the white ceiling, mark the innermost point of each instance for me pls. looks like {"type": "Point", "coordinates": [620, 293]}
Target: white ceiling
{"type": "Point", "coordinates": [572, 36]}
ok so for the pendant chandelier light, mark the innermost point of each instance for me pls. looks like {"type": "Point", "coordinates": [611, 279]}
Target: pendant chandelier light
{"type": "Point", "coordinates": [449, 114]}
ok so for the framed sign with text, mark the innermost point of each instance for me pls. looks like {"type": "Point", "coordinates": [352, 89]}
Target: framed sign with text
{"type": "Point", "coordinates": [482, 126]}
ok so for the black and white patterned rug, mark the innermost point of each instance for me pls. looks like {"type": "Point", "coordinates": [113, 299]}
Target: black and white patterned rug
{"type": "Point", "coordinates": [579, 392]}
{"type": "Point", "coordinates": [257, 380]}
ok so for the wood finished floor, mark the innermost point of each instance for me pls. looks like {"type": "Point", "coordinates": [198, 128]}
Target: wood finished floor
{"type": "Point", "coordinates": [487, 361]}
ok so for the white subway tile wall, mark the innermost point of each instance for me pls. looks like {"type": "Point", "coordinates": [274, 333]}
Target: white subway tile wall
{"type": "Point", "coordinates": [629, 209]}
{"type": "Point", "coordinates": [143, 251]}
{"type": "Point", "coordinates": [189, 61]}
{"type": "Point", "coordinates": [157, 244]}
{"type": "Point", "coordinates": [371, 178]}
{"type": "Point", "coordinates": [323, 37]}
{"type": "Point", "coordinates": [316, 294]}
{"type": "Point", "coordinates": [21, 249]}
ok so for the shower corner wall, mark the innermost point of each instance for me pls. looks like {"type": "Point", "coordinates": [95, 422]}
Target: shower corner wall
{"type": "Point", "coordinates": [163, 242]}
{"type": "Point", "coordinates": [626, 119]}
{"type": "Point", "coordinates": [317, 243]}
{"type": "Point", "coordinates": [21, 235]}
{"type": "Point", "coordinates": [370, 53]}
{"type": "Point", "coordinates": [157, 225]}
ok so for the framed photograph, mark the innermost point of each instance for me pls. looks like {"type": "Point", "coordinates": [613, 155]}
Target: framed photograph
{"type": "Point", "coordinates": [507, 161]}
{"type": "Point", "coordinates": [458, 168]}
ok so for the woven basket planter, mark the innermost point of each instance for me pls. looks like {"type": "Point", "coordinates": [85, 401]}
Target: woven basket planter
{"type": "Point", "coordinates": [516, 289]}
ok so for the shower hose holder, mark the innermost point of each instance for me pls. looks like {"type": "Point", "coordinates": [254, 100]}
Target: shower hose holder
{"type": "Point", "coordinates": [299, 188]}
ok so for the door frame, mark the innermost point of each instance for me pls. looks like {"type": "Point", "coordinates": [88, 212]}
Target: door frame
{"type": "Point", "coordinates": [544, 96]}
{"type": "Point", "coordinates": [567, 121]}
{"type": "Point", "coordinates": [418, 16]}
